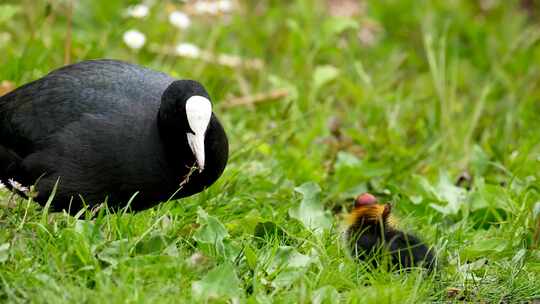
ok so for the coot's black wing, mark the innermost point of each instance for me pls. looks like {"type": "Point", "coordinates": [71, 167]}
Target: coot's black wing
{"type": "Point", "coordinates": [32, 113]}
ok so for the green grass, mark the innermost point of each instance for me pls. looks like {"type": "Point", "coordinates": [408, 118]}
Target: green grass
{"type": "Point", "coordinates": [445, 87]}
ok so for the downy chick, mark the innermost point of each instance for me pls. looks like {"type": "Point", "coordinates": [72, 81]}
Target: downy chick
{"type": "Point", "coordinates": [371, 231]}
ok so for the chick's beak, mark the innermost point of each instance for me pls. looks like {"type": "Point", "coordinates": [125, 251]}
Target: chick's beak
{"type": "Point", "coordinates": [196, 143]}
{"type": "Point", "coordinates": [365, 199]}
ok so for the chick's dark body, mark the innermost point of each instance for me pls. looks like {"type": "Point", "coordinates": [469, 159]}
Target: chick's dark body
{"type": "Point", "coordinates": [405, 250]}
{"type": "Point", "coordinates": [370, 234]}
{"type": "Point", "coordinates": [93, 126]}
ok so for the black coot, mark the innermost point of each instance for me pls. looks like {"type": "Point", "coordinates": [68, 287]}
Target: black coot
{"type": "Point", "coordinates": [106, 129]}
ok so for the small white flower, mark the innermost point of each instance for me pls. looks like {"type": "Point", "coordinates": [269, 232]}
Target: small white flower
{"type": "Point", "coordinates": [134, 39]}
{"type": "Point", "coordinates": [225, 5]}
{"type": "Point", "coordinates": [2, 186]}
{"type": "Point", "coordinates": [213, 7]}
{"type": "Point", "coordinates": [207, 7]}
{"type": "Point", "coordinates": [17, 185]}
{"type": "Point", "coordinates": [137, 11]}
{"type": "Point", "coordinates": [179, 20]}
{"type": "Point", "coordinates": [188, 50]}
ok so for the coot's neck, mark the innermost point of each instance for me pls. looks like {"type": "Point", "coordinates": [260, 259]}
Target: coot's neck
{"type": "Point", "coordinates": [174, 141]}
{"type": "Point", "coordinates": [180, 157]}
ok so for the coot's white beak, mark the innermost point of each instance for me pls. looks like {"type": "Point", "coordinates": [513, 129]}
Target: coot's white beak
{"type": "Point", "coordinates": [196, 143]}
{"type": "Point", "coordinates": [198, 112]}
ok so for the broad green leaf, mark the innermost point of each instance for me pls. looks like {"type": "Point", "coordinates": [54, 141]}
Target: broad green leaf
{"type": "Point", "coordinates": [245, 224]}
{"type": "Point", "coordinates": [354, 191]}
{"type": "Point", "coordinates": [287, 277]}
{"type": "Point", "coordinates": [154, 244]}
{"type": "Point", "coordinates": [337, 25]}
{"type": "Point", "coordinates": [89, 230]}
{"type": "Point", "coordinates": [484, 247]}
{"type": "Point", "coordinates": [268, 230]}
{"type": "Point", "coordinates": [427, 191]}
{"type": "Point", "coordinates": [219, 283]}
{"type": "Point", "coordinates": [326, 294]}
{"type": "Point", "coordinates": [4, 252]}
{"type": "Point", "coordinates": [78, 250]}
{"type": "Point", "coordinates": [114, 252]}
{"type": "Point", "coordinates": [213, 234]}
{"type": "Point", "coordinates": [416, 199]}
{"type": "Point", "coordinates": [211, 231]}
{"type": "Point", "coordinates": [345, 159]}
{"type": "Point", "coordinates": [251, 257]}
{"type": "Point", "coordinates": [479, 161]}
{"type": "Point", "coordinates": [536, 210]}
{"type": "Point", "coordinates": [349, 165]}
{"type": "Point", "coordinates": [448, 192]}
{"type": "Point", "coordinates": [359, 67]}
{"type": "Point", "coordinates": [261, 298]}
{"type": "Point", "coordinates": [519, 256]}
{"type": "Point", "coordinates": [311, 210]}
{"type": "Point", "coordinates": [448, 198]}
{"type": "Point", "coordinates": [323, 75]}
{"type": "Point", "coordinates": [472, 266]}
{"type": "Point", "coordinates": [293, 25]}
{"type": "Point", "coordinates": [288, 265]}
{"type": "Point", "coordinates": [352, 174]}
{"type": "Point", "coordinates": [7, 12]}
{"type": "Point", "coordinates": [289, 257]}
{"type": "Point", "coordinates": [467, 271]}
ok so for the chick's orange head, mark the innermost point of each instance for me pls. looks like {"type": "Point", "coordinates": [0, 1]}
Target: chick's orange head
{"type": "Point", "coordinates": [367, 208]}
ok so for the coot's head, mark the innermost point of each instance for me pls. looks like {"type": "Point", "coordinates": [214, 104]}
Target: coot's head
{"type": "Point", "coordinates": [186, 109]}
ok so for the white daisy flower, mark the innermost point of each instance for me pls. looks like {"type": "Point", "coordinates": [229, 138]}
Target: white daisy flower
{"type": "Point", "coordinates": [225, 6]}
{"type": "Point", "coordinates": [179, 20]}
{"type": "Point", "coordinates": [17, 185]}
{"type": "Point", "coordinates": [207, 7]}
{"type": "Point", "coordinates": [188, 50]}
{"type": "Point", "coordinates": [134, 39]}
{"type": "Point", "coordinates": [213, 7]}
{"type": "Point", "coordinates": [137, 11]}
